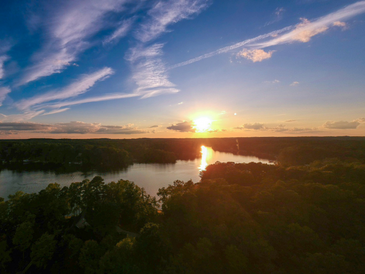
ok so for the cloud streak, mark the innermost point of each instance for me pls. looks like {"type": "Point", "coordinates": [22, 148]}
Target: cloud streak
{"type": "Point", "coordinates": [230, 48]}
{"type": "Point", "coordinates": [78, 87]}
{"type": "Point", "coordinates": [55, 111]}
{"type": "Point", "coordinates": [3, 92]}
{"type": "Point", "coordinates": [301, 32]}
{"type": "Point", "coordinates": [3, 59]}
{"type": "Point", "coordinates": [165, 13]}
{"type": "Point", "coordinates": [101, 98]}
{"type": "Point", "coordinates": [304, 31]}
{"type": "Point", "coordinates": [69, 27]}
{"type": "Point", "coordinates": [120, 32]}
{"type": "Point", "coordinates": [149, 72]}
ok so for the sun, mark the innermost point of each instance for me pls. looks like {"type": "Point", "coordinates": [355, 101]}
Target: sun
{"type": "Point", "coordinates": [202, 124]}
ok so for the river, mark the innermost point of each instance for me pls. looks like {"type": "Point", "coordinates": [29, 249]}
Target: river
{"type": "Point", "coordinates": [149, 176]}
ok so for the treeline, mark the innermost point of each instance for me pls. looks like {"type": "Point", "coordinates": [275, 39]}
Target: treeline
{"type": "Point", "coordinates": [112, 154]}
{"type": "Point", "coordinates": [241, 218]}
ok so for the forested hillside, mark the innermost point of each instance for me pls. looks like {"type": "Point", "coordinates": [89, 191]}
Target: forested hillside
{"type": "Point", "coordinates": [241, 218]}
{"type": "Point", "coordinates": [116, 154]}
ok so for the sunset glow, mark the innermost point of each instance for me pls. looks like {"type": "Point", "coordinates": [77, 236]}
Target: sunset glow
{"type": "Point", "coordinates": [204, 164]}
{"type": "Point", "coordinates": [121, 69]}
{"type": "Point", "coordinates": [202, 124]}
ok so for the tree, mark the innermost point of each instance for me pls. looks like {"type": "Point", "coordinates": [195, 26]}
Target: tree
{"type": "Point", "coordinates": [90, 255]}
{"type": "Point", "coordinates": [4, 255]}
{"type": "Point", "coordinates": [23, 236]}
{"type": "Point", "coordinates": [43, 249]}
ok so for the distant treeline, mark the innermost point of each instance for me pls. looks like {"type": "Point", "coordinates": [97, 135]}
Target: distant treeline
{"type": "Point", "coordinates": [241, 218]}
{"type": "Point", "coordinates": [111, 154]}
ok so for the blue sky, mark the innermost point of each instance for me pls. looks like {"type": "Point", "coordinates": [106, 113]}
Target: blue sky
{"type": "Point", "coordinates": [130, 69]}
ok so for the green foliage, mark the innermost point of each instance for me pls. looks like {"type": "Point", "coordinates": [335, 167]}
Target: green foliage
{"type": "Point", "coordinates": [90, 255]}
{"type": "Point", "coordinates": [121, 259]}
{"type": "Point", "coordinates": [4, 255]}
{"type": "Point", "coordinates": [23, 236]}
{"type": "Point", "coordinates": [43, 250]}
{"type": "Point", "coordinates": [241, 218]}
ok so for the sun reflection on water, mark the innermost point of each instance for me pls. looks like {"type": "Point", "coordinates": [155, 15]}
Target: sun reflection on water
{"type": "Point", "coordinates": [206, 155]}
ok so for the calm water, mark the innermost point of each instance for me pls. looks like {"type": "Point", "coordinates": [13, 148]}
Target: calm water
{"type": "Point", "coordinates": [149, 176]}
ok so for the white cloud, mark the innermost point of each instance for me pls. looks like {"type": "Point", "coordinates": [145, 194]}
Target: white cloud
{"type": "Point", "coordinates": [294, 84]}
{"type": "Point", "coordinates": [272, 82]}
{"type": "Point", "coordinates": [165, 13]}
{"type": "Point", "coordinates": [149, 72]}
{"type": "Point", "coordinates": [3, 92]}
{"type": "Point", "coordinates": [230, 48]}
{"type": "Point", "coordinates": [27, 115]}
{"type": "Point", "coordinates": [301, 32]}
{"type": "Point", "coordinates": [120, 32]}
{"type": "Point", "coordinates": [278, 14]}
{"type": "Point", "coordinates": [78, 87]}
{"type": "Point", "coordinates": [256, 55]}
{"type": "Point", "coordinates": [3, 59]}
{"type": "Point", "coordinates": [340, 24]}
{"type": "Point", "coordinates": [68, 27]}
{"type": "Point", "coordinates": [55, 111]}
{"type": "Point", "coordinates": [304, 31]}
{"type": "Point", "coordinates": [101, 98]}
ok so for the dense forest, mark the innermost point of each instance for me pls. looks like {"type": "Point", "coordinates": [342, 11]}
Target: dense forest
{"type": "Point", "coordinates": [303, 215]}
{"type": "Point", "coordinates": [116, 154]}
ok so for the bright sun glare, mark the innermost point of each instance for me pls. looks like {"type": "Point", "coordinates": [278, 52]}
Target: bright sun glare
{"type": "Point", "coordinates": [202, 124]}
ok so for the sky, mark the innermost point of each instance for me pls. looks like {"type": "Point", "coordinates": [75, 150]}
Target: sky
{"type": "Point", "coordinates": [181, 68]}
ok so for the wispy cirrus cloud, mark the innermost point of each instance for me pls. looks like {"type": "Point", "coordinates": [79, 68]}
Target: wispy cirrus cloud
{"type": "Point", "coordinates": [232, 47]}
{"type": "Point", "coordinates": [301, 32]}
{"type": "Point", "coordinates": [78, 87]}
{"type": "Point", "coordinates": [3, 92]}
{"type": "Point", "coordinates": [149, 72]}
{"type": "Point", "coordinates": [304, 31]}
{"type": "Point", "coordinates": [165, 13]}
{"type": "Point", "coordinates": [121, 31]}
{"type": "Point", "coordinates": [3, 59]}
{"type": "Point", "coordinates": [100, 98]}
{"type": "Point", "coordinates": [25, 116]}
{"type": "Point", "coordinates": [68, 28]}
{"type": "Point", "coordinates": [278, 15]}
{"type": "Point", "coordinates": [55, 111]}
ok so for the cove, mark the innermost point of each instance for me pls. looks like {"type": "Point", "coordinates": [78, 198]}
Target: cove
{"type": "Point", "coordinates": [149, 176]}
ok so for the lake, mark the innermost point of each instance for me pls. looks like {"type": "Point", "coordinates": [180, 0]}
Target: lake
{"type": "Point", "coordinates": [149, 176]}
